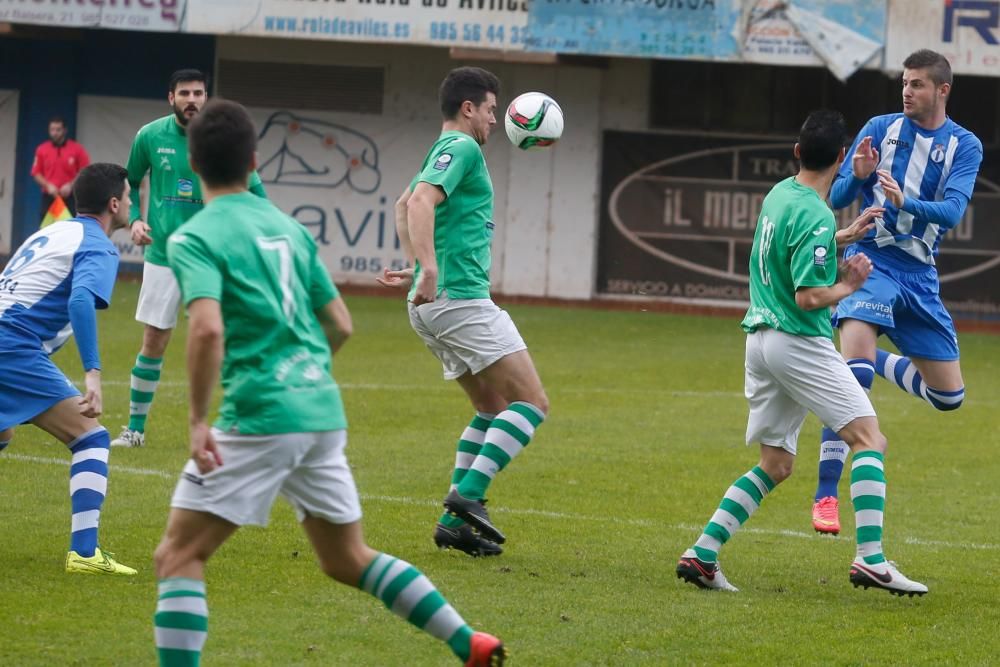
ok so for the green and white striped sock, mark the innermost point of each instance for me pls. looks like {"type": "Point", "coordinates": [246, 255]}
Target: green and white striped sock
{"type": "Point", "coordinates": [868, 496]}
{"type": "Point", "coordinates": [410, 595]}
{"type": "Point", "coordinates": [145, 377]}
{"type": "Point", "coordinates": [508, 434]}
{"type": "Point", "coordinates": [469, 446]}
{"type": "Point", "coordinates": [740, 501]}
{"type": "Point", "coordinates": [181, 622]}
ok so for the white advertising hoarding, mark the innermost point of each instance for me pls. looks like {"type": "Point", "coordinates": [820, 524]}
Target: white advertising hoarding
{"type": "Point", "coordinates": [338, 174]}
{"type": "Point", "coordinates": [491, 24]}
{"type": "Point", "coordinates": [144, 15]}
{"type": "Point", "coordinates": [967, 32]}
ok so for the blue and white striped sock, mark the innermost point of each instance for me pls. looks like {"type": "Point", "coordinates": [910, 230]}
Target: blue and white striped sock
{"type": "Point", "coordinates": [88, 483]}
{"type": "Point", "coordinates": [904, 374]}
{"type": "Point", "coordinates": [833, 450]}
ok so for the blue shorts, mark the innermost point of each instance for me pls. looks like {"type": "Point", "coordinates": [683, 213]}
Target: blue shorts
{"type": "Point", "coordinates": [30, 384]}
{"type": "Point", "coordinates": [906, 306]}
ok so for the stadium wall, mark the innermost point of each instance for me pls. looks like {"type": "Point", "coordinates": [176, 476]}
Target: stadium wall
{"type": "Point", "coordinates": [50, 68]}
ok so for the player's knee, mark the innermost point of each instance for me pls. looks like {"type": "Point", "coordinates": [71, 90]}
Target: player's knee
{"type": "Point", "coordinates": [870, 441]}
{"type": "Point", "coordinates": [163, 559]}
{"type": "Point", "coordinates": [776, 463]}
{"type": "Point", "coordinates": [779, 472]}
{"type": "Point", "coordinates": [946, 401]}
{"type": "Point", "coordinates": [541, 402]}
{"type": "Point", "coordinates": [170, 557]}
{"type": "Point", "coordinates": [346, 566]}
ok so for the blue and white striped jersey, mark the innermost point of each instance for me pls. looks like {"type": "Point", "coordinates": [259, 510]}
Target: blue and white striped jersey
{"type": "Point", "coordinates": [936, 170]}
{"type": "Point", "coordinates": [35, 286]}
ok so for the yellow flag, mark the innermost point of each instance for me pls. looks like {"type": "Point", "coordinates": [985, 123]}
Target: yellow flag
{"type": "Point", "coordinates": [58, 211]}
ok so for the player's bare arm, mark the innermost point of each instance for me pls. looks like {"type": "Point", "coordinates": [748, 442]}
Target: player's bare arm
{"type": "Point", "coordinates": [335, 319]}
{"type": "Point", "coordinates": [403, 278]}
{"type": "Point", "coordinates": [865, 159]}
{"type": "Point", "coordinates": [420, 217]}
{"type": "Point", "coordinates": [854, 273]}
{"type": "Point", "coordinates": [204, 359]}
{"type": "Point", "coordinates": [859, 227]}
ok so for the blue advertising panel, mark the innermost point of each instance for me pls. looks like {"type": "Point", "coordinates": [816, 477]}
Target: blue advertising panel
{"type": "Point", "coordinates": [698, 29]}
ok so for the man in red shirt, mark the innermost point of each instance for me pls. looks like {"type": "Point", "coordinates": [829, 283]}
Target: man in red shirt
{"type": "Point", "coordinates": [57, 162]}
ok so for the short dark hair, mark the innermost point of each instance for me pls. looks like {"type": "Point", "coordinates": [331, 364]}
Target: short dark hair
{"type": "Point", "coordinates": [56, 118]}
{"type": "Point", "coordinates": [96, 184]}
{"type": "Point", "coordinates": [466, 83]}
{"type": "Point", "coordinates": [221, 143]}
{"type": "Point", "coordinates": [937, 66]}
{"type": "Point", "coordinates": [186, 75]}
{"type": "Point", "coordinates": [821, 138]}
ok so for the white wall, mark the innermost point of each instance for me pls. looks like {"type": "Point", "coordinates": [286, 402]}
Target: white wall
{"type": "Point", "coordinates": [546, 200]}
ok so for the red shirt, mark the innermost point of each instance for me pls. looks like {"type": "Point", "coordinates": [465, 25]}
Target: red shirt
{"type": "Point", "coordinates": [59, 165]}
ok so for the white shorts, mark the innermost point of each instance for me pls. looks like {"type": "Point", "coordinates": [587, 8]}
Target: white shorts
{"type": "Point", "coordinates": [788, 376]}
{"type": "Point", "coordinates": [466, 335]}
{"type": "Point", "coordinates": [159, 297]}
{"type": "Point", "coordinates": [309, 469]}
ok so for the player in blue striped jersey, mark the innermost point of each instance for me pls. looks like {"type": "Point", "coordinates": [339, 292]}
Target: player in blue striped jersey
{"type": "Point", "coordinates": [921, 166]}
{"type": "Point", "coordinates": [50, 290]}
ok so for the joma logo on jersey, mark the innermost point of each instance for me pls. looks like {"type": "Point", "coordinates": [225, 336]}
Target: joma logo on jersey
{"type": "Point", "coordinates": [897, 142]}
{"type": "Point", "coordinates": [168, 151]}
{"type": "Point", "coordinates": [980, 15]}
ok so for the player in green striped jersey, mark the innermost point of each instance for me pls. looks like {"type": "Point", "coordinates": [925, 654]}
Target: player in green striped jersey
{"type": "Point", "coordinates": [264, 313]}
{"type": "Point", "coordinates": [792, 367]}
{"type": "Point", "coordinates": [445, 224]}
{"type": "Point", "coordinates": [175, 194]}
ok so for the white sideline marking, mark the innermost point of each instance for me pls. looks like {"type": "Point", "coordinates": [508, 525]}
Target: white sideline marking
{"type": "Point", "coordinates": [424, 502]}
{"type": "Point", "coordinates": [894, 397]}
{"type": "Point", "coordinates": [65, 462]}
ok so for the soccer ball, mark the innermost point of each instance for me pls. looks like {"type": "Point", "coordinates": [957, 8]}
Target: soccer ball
{"type": "Point", "coordinates": [534, 120]}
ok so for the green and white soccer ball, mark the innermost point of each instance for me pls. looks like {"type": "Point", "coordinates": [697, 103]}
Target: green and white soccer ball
{"type": "Point", "coordinates": [533, 120]}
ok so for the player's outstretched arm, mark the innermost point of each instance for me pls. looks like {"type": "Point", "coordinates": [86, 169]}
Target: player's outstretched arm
{"type": "Point", "coordinates": [854, 273]}
{"type": "Point", "coordinates": [403, 278]}
{"type": "Point", "coordinates": [204, 359]}
{"type": "Point", "coordinates": [335, 319]}
{"type": "Point", "coordinates": [420, 218]}
{"type": "Point", "coordinates": [861, 226]}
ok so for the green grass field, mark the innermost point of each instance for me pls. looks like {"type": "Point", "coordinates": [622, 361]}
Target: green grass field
{"type": "Point", "coordinates": [646, 433]}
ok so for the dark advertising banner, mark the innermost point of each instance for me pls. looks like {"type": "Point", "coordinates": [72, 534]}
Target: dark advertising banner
{"type": "Point", "coordinates": [678, 213]}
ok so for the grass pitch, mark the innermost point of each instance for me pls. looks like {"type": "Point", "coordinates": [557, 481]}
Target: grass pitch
{"type": "Point", "coordinates": [645, 435]}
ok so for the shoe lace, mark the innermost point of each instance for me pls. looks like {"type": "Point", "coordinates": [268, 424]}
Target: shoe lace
{"type": "Point", "coordinates": [827, 508]}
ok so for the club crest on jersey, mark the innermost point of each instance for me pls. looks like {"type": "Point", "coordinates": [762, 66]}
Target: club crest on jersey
{"type": "Point", "coordinates": [443, 161]}
{"type": "Point", "coordinates": [185, 187]}
{"type": "Point", "coordinates": [937, 153]}
{"type": "Point", "coordinates": [819, 255]}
